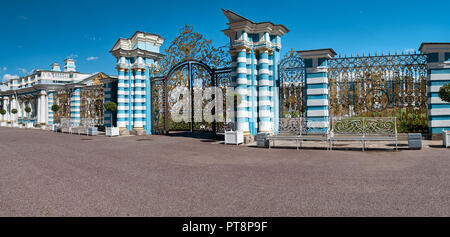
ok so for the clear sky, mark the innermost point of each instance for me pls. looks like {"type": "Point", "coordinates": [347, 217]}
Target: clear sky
{"type": "Point", "coordinates": [36, 33]}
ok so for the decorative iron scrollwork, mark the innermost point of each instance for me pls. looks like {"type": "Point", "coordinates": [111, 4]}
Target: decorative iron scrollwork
{"type": "Point", "coordinates": [292, 85]}
{"type": "Point", "coordinates": [381, 86]}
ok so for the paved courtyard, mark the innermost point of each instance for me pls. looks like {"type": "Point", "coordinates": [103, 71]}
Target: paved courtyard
{"type": "Point", "coordinates": [53, 174]}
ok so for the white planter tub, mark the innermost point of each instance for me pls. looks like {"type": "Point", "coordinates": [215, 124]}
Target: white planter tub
{"type": "Point", "coordinates": [29, 125]}
{"type": "Point", "coordinates": [112, 131]}
{"type": "Point", "coordinates": [234, 137]}
{"type": "Point", "coordinates": [446, 138]}
{"type": "Point", "coordinates": [3, 124]}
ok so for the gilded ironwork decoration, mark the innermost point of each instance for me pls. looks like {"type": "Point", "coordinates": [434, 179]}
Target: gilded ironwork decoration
{"type": "Point", "coordinates": [366, 125]}
{"type": "Point", "coordinates": [380, 86]}
{"type": "Point", "coordinates": [91, 107]}
{"type": "Point", "coordinates": [62, 99]}
{"type": "Point", "coordinates": [292, 92]}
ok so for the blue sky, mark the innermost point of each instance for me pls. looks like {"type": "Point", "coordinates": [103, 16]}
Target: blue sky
{"type": "Point", "coordinates": [36, 33]}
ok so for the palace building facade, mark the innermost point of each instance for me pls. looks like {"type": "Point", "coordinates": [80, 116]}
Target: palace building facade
{"type": "Point", "coordinates": [41, 89]}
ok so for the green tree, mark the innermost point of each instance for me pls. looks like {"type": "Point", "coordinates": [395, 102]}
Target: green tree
{"type": "Point", "coordinates": [111, 107]}
{"type": "Point", "coordinates": [55, 108]}
{"type": "Point", "coordinates": [3, 112]}
{"type": "Point", "coordinates": [444, 92]}
{"type": "Point", "coordinates": [28, 110]}
{"type": "Point", "coordinates": [14, 111]}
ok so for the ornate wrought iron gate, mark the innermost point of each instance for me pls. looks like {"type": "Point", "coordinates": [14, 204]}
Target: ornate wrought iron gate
{"type": "Point", "coordinates": [62, 99]}
{"type": "Point", "coordinates": [195, 76]}
{"type": "Point", "coordinates": [292, 92]}
{"type": "Point", "coordinates": [91, 107]}
{"type": "Point", "coordinates": [380, 86]}
{"type": "Point", "coordinates": [157, 104]}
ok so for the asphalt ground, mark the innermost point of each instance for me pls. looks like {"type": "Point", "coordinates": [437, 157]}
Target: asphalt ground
{"type": "Point", "coordinates": [53, 174]}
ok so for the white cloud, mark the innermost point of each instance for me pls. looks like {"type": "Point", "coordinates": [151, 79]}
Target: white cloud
{"type": "Point", "coordinates": [92, 58]}
{"type": "Point", "coordinates": [5, 68]}
{"type": "Point", "coordinates": [23, 18]}
{"type": "Point", "coordinates": [73, 56]}
{"type": "Point", "coordinates": [22, 70]}
{"type": "Point", "coordinates": [9, 76]}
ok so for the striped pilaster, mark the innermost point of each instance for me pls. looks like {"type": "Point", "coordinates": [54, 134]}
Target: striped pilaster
{"type": "Point", "coordinates": [317, 102]}
{"type": "Point", "coordinates": [139, 107]}
{"type": "Point", "coordinates": [107, 97]}
{"type": "Point", "coordinates": [253, 93]}
{"type": "Point", "coordinates": [148, 102]}
{"type": "Point", "coordinates": [438, 65]}
{"type": "Point", "coordinates": [317, 110]}
{"type": "Point", "coordinates": [242, 112]}
{"type": "Point", "coordinates": [129, 96]}
{"type": "Point", "coordinates": [264, 93]}
{"type": "Point", "coordinates": [438, 110]}
{"type": "Point", "coordinates": [75, 102]}
{"type": "Point", "coordinates": [50, 104]}
{"type": "Point", "coordinates": [275, 91]}
{"type": "Point", "coordinates": [122, 100]}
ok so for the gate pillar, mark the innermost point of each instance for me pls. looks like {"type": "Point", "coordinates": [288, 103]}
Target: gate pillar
{"type": "Point", "coordinates": [135, 56]}
{"type": "Point", "coordinates": [438, 75]}
{"type": "Point", "coordinates": [255, 51]}
{"type": "Point", "coordinates": [317, 110]}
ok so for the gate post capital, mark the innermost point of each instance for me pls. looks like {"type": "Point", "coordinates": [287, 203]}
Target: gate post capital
{"type": "Point", "coordinates": [316, 59]}
{"type": "Point", "coordinates": [438, 54]}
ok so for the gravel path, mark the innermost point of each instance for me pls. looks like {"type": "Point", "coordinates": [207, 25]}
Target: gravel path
{"type": "Point", "coordinates": [53, 174]}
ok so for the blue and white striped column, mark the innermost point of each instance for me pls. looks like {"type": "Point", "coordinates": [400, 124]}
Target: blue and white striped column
{"type": "Point", "coordinates": [75, 103]}
{"type": "Point", "coordinates": [139, 109]}
{"type": "Point", "coordinates": [438, 75]}
{"type": "Point", "coordinates": [122, 100]}
{"type": "Point", "coordinates": [317, 110]}
{"type": "Point", "coordinates": [50, 104]}
{"type": "Point", "coordinates": [148, 99]}
{"type": "Point", "coordinates": [252, 91]}
{"type": "Point", "coordinates": [242, 112]}
{"type": "Point", "coordinates": [264, 94]}
{"type": "Point", "coordinates": [107, 97]}
{"type": "Point", "coordinates": [129, 95]}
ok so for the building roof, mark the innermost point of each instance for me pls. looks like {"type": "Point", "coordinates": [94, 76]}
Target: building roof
{"type": "Point", "coordinates": [438, 45]}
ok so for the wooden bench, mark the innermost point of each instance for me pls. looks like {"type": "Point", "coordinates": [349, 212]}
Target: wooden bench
{"type": "Point", "coordinates": [364, 129]}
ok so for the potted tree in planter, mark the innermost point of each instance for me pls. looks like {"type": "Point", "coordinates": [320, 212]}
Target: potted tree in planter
{"type": "Point", "coordinates": [444, 94]}
{"type": "Point", "coordinates": [55, 109]}
{"type": "Point", "coordinates": [28, 124]}
{"type": "Point", "coordinates": [236, 136]}
{"type": "Point", "coordinates": [111, 131]}
{"type": "Point", "coordinates": [3, 121]}
{"type": "Point", "coordinates": [14, 123]}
